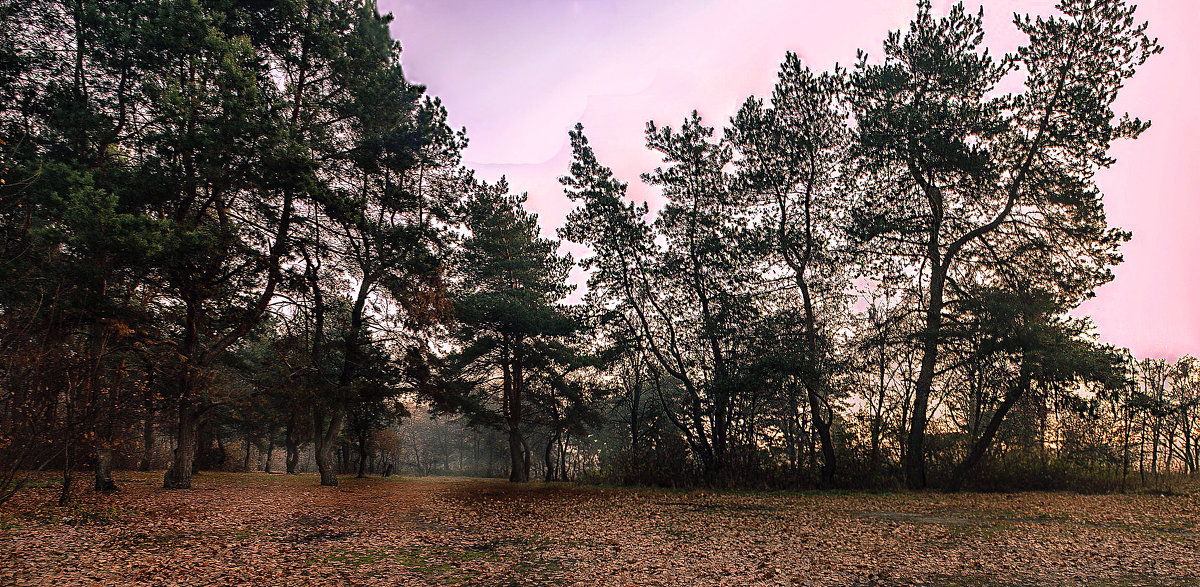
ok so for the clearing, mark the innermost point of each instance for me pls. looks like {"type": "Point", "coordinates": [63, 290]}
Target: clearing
{"type": "Point", "coordinates": [278, 529]}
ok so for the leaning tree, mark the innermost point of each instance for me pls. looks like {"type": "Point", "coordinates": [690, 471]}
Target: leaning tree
{"type": "Point", "coordinates": [957, 173]}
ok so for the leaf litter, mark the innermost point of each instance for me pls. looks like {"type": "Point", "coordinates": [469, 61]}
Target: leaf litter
{"type": "Point", "coordinates": [277, 529]}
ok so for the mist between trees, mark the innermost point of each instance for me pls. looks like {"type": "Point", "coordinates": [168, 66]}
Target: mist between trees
{"type": "Point", "coordinates": [234, 236]}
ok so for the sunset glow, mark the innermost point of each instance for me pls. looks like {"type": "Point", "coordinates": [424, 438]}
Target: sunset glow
{"type": "Point", "coordinates": [519, 75]}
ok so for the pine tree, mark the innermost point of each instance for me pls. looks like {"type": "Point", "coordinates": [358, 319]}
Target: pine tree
{"type": "Point", "coordinates": [510, 325]}
{"type": "Point", "coordinates": [959, 179]}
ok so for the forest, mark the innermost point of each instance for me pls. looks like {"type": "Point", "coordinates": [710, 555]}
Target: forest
{"type": "Point", "coordinates": [234, 237]}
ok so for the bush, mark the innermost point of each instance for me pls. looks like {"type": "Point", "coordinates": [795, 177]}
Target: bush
{"type": "Point", "coordinates": [1031, 471]}
{"type": "Point", "coordinates": [668, 464]}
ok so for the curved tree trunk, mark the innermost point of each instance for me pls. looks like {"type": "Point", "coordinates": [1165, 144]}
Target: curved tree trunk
{"type": "Point", "coordinates": [325, 466]}
{"type": "Point", "coordinates": [981, 446]}
{"type": "Point", "coordinates": [822, 428]}
{"type": "Point", "coordinates": [324, 437]}
{"type": "Point", "coordinates": [914, 463]}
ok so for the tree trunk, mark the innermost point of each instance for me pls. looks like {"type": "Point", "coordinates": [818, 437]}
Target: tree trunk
{"type": "Point", "coordinates": [147, 442]}
{"type": "Point", "coordinates": [816, 381]}
{"type": "Point", "coordinates": [1185, 431]}
{"type": "Point", "coordinates": [635, 406]}
{"type": "Point", "coordinates": [549, 459]}
{"type": "Point", "coordinates": [528, 455]}
{"type": "Point", "coordinates": [1168, 451]}
{"type": "Point", "coordinates": [325, 466]}
{"type": "Point", "coordinates": [179, 473]}
{"type": "Point", "coordinates": [246, 458]}
{"type": "Point", "coordinates": [362, 455]}
{"type": "Point", "coordinates": [291, 446]}
{"type": "Point", "coordinates": [219, 463]}
{"type": "Point", "coordinates": [1154, 448]}
{"type": "Point", "coordinates": [793, 429]}
{"type": "Point", "coordinates": [914, 465]}
{"type": "Point", "coordinates": [270, 451]}
{"type": "Point", "coordinates": [514, 384]}
{"type": "Point", "coordinates": [810, 439]}
{"type": "Point", "coordinates": [324, 437]}
{"type": "Point", "coordinates": [68, 465]}
{"type": "Point", "coordinates": [519, 473]}
{"type": "Point", "coordinates": [104, 480]}
{"type": "Point", "coordinates": [292, 457]}
{"type": "Point", "coordinates": [562, 457]}
{"type": "Point", "coordinates": [822, 428]}
{"type": "Point", "coordinates": [877, 417]}
{"type": "Point", "coordinates": [1128, 422]}
{"type": "Point", "coordinates": [980, 448]}
{"type": "Point", "coordinates": [1142, 450]}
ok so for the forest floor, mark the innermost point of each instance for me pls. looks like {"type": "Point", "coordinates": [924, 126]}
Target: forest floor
{"type": "Point", "coordinates": [278, 529]}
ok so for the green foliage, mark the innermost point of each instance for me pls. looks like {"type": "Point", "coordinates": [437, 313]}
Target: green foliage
{"type": "Point", "coordinates": [512, 337]}
{"type": "Point", "coordinates": [232, 218]}
{"type": "Point", "coordinates": [167, 164]}
{"type": "Point", "coordinates": [970, 216]}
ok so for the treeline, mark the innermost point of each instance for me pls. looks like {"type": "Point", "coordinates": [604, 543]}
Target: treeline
{"type": "Point", "coordinates": [228, 222]}
{"type": "Point", "coordinates": [875, 267]}
{"type": "Point", "coordinates": [1139, 434]}
{"type": "Point", "coordinates": [212, 210]}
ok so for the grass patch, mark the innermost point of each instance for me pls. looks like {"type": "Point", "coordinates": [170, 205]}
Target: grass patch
{"type": "Point", "coordinates": [76, 514]}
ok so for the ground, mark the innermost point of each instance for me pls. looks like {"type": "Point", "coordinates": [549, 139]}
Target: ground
{"type": "Point", "coordinates": [278, 529]}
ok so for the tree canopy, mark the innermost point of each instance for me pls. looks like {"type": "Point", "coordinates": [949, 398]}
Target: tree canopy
{"type": "Point", "coordinates": [230, 226]}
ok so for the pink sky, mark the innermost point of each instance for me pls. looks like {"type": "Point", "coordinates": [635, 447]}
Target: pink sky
{"type": "Point", "coordinates": [519, 75]}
